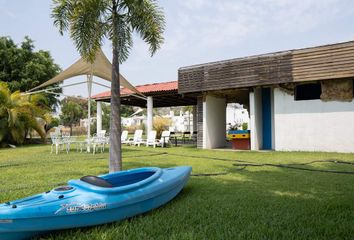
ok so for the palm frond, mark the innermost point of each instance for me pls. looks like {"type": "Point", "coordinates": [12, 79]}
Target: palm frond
{"type": "Point", "coordinates": [34, 124]}
{"type": "Point", "coordinates": [61, 11]}
{"type": "Point", "coordinates": [3, 129]}
{"type": "Point", "coordinates": [147, 19]}
{"type": "Point", "coordinates": [87, 27]}
{"type": "Point", "coordinates": [123, 37]}
{"type": "Point", "coordinates": [19, 114]}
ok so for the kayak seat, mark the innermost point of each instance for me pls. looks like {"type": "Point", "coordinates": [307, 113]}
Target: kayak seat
{"type": "Point", "coordinates": [97, 181]}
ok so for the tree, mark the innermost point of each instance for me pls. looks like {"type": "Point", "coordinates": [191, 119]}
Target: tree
{"type": "Point", "coordinates": [83, 104]}
{"type": "Point", "coordinates": [90, 21]}
{"type": "Point", "coordinates": [19, 114]}
{"type": "Point", "coordinates": [126, 110]}
{"type": "Point", "coordinates": [23, 68]}
{"type": "Point", "coordinates": [71, 113]}
{"type": "Point", "coordinates": [51, 122]}
{"type": "Point", "coordinates": [106, 112]}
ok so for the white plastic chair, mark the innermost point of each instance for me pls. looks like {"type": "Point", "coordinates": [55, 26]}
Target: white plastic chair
{"type": "Point", "coordinates": [151, 139]}
{"type": "Point", "coordinates": [56, 141]}
{"type": "Point", "coordinates": [165, 139]}
{"type": "Point", "coordinates": [67, 140]}
{"type": "Point", "coordinates": [124, 137]}
{"type": "Point", "coordinates": [98, 140]}
{"type": "Point", "coordinates": [137, 140]}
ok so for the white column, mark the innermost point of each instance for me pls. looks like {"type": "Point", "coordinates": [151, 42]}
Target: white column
{"type": "Point", "coordinates": [99, 117]}
{"type": "Point", "coordinates": [194, 118]}
{"type": "Point", "coordinates": [252, 126]}
{"type": "Point", "coordinates": [256, 119]}
{"type": "Point", "coordinates": [149, 121]}
{"type": "Point", "coordinates": [214, 122]}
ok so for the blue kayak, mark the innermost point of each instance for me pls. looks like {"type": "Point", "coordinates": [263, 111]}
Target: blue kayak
{"type": "Point", "coordinates": [91, 201]}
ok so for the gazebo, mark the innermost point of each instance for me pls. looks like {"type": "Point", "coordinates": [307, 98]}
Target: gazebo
{"type": "Point", "coordinates": [163, 94]}
{"type": "Point", "coordinates": [101, 67]}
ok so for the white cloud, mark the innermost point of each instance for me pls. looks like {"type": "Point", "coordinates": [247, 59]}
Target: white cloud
{"type": "Point", "coordinates": [5, 11]}
{"type": "Point", "coordinates": [211, 23]}
{"type": "Point", "coordinates": [195, 4]}
{"type": "Point", "coordinates": [207, 30]}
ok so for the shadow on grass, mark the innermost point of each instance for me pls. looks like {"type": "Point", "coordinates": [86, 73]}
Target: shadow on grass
{"type": "Point", "coordinates": [249, 204]}
{"type": "Point", "coordinates": [253, 203]}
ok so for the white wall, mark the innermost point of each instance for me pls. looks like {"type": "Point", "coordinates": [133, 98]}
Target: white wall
{"type": "Point", "coordinates": [214, 122]}
{"type": "Point", "coordinates": [312, 125]}
{"type": "Point", "coordinates": [256, 119]}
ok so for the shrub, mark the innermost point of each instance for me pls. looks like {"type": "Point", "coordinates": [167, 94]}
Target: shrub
{"type": "Point", "coordinates": [160, 124]}
{"type": "Point", "coordinates": [131, 129]}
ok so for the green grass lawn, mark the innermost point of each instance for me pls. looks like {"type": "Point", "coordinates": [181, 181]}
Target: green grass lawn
{"type": "Point", "coordinates": [253, 203]}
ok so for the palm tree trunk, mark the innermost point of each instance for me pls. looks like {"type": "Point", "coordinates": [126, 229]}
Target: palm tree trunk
{"type": "Point", "coordinates": [115, 150]}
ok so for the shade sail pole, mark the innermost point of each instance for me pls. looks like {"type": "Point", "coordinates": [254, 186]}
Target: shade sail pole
{"type": "Point", "coordinates": [89, 88]}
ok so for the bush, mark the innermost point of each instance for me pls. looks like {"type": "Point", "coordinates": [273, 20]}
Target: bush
{"type": "Point", "coordinates": [160, 124]}
{"type": "Point", "coordinates": [131, 129]}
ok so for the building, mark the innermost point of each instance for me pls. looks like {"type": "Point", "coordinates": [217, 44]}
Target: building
{"type": "Point", "coordinates": [298, 100]}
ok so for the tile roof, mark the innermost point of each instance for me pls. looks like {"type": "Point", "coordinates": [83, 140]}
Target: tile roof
{"type": "Point", "coordinates": [145, 89]}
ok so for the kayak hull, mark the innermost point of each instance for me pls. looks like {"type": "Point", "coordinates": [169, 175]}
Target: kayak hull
{"type": "Point", "coordinates": [97, 208]}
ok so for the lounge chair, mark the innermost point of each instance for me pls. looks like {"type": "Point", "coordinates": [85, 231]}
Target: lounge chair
{"type": "Point", "coordinates": [124, 137]}
{"type": "Point", "coordinates": [165, 139]}
{"type": "Point", "coordinates": [151, 139]}
{"type": "Point", "coordinates": [137, 139]}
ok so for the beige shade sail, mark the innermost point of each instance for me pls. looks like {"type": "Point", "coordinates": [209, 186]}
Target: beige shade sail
{"type": "Point", "coordinates": [101, 68]}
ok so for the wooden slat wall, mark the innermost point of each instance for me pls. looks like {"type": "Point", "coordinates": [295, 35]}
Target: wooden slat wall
{"type": "Point", "coordinates": [318, 63]}
{"type": "Point", "coordinates": [191, 80]}
{"type": "Point", "coordinates": [327, 62]}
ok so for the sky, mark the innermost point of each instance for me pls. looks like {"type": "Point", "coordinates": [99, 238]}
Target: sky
{"type": "Point", "coordinates": [197, 31]}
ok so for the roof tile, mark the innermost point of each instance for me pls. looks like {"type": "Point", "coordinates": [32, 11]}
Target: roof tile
{"type": "Point", "coordinates": [146, 88]}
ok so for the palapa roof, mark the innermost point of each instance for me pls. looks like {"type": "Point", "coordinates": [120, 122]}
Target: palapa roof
{"type": "Point", "coordinates": [164, 94]}
{"type": "Point", "coordinates": [146, 89]}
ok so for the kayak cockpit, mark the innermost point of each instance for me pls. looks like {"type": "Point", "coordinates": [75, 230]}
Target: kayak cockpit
{"type": "Point", "coordinates": [126, 179]}
{"type": "Point", "coordinates": [96, 181]}
{"type": "Point", "coordinates": [118, 181]}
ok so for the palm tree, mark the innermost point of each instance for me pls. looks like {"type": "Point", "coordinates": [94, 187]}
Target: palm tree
{"type": "Point", "coordinates": [71, 113]}
{"type": "Point", "coordinates": [89, 22]}
{"type": "Point", "coordinates": [19, 114]}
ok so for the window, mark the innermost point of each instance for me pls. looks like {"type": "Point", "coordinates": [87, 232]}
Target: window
{"type": "Point", "coordinates": [308, 91]}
